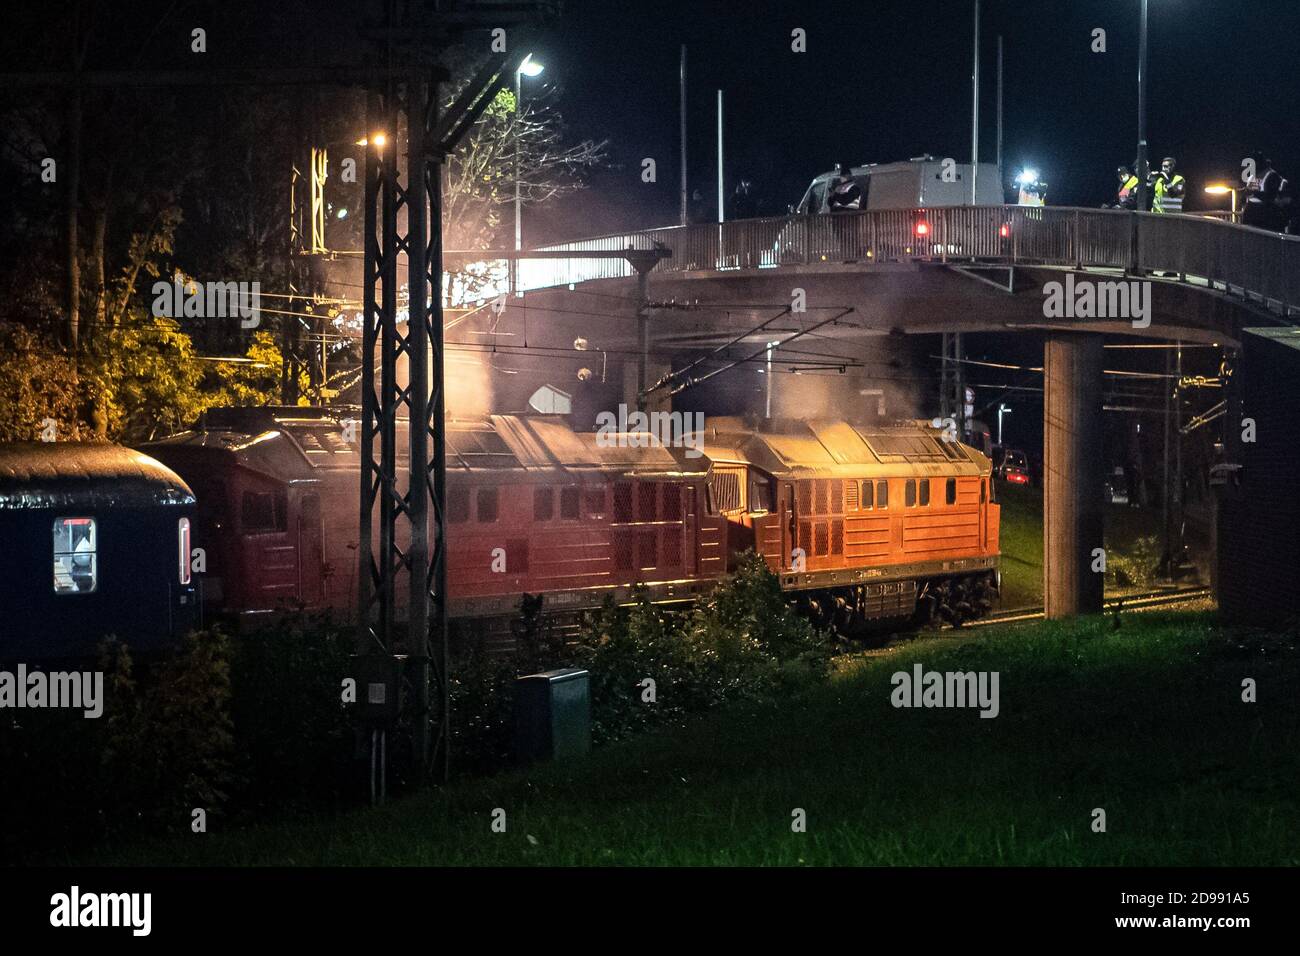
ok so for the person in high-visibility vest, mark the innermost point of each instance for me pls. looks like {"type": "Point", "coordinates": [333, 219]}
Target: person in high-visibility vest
{"type": "Point", "coordinates": [1170, 188]}
{"type": "Point", "coordinates": [1126, 196]}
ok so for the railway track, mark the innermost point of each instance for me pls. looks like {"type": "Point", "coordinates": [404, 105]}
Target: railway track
{"type": "Point", "coordinates": [1129, 602]}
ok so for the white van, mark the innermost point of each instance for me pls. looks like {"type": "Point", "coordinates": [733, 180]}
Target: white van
{"type": "Point", "coordinates": [913, 184]}
{"type": "Point", "coordinates": [923, 182]}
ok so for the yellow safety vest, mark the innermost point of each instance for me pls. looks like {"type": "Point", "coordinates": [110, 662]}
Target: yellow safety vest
{"type": "Point", "coordinates": [1163, 202]}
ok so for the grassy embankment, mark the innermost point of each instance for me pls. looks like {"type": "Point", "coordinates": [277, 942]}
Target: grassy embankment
{"type": "Point", "coordinates": [1144, 721]}
{"type": "Point", "coordinates": [1132, 546]}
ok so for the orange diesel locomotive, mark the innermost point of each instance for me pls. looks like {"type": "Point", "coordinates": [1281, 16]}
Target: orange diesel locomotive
{"type": "Point", "coordinates": [865, 526]}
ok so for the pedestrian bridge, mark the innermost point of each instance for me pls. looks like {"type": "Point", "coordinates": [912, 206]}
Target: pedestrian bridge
{"type": "Point", "coordinates": [1256, 268]}
{"type": "Point", "coordinates": [912, 271]}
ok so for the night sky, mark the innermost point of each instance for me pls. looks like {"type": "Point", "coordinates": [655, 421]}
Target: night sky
{"type": "Point", "coordinates": [889, 79]}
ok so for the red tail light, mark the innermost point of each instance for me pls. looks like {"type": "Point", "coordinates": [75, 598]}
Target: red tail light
{"type": "Point", "coordinates": [1017, 478]}
{"type": "Point", "coordinates": [1005, 230]}
{"type": "Point", "coordinates": [922, 228]}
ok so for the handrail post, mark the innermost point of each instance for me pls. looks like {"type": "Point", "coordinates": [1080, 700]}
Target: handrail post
{"type": "Point", "coordinates": [1133, 257]}
{"type": "Point", "coordinates": [1078, 239]}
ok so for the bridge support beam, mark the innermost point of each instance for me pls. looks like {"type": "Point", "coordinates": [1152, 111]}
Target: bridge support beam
{"type": "Point", "coordinates": [1073, 576]}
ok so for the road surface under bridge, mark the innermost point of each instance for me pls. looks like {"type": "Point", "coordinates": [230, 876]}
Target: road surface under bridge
{"type": "Point", "coordinates": [962, 269]}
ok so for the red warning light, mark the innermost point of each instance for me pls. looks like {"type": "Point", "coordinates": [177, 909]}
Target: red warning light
{"type": "Point", "coordinates": [922, 228]}
{"type": "Point", "coordinates": [1005, 230]}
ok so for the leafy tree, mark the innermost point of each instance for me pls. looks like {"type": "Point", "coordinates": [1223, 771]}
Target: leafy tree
{"type": "Point", "coordinates": [37, 382]}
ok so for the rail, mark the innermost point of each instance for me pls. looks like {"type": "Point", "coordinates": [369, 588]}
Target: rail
{"type": "Point", "coordinates": [1260, 266]}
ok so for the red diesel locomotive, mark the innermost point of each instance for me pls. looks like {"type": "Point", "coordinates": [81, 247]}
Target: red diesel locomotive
{"type": "Point", "coordinates": [864, 526]}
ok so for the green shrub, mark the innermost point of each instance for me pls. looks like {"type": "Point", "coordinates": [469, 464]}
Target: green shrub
{"type": "Point", "coordinates": [292, 732]}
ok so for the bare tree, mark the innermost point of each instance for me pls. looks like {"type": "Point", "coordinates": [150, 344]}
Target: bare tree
{"type": "Point", "coordinates": [509, 140]}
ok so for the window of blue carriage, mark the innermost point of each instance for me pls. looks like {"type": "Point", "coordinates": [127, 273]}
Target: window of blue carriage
{"type": "Point", "coordinates": [76, 556]}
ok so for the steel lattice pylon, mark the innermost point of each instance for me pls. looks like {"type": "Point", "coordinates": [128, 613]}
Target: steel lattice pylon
{"type": "Point", "coordinates": [402, 549]}
{"type": "Point", "coordinates": [406, 550]}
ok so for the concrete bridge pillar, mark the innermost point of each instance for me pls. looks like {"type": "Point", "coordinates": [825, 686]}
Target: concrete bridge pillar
{"type": "Point", "coordinates": [1073, 474]}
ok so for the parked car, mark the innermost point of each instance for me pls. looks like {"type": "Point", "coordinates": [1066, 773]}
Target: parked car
{"type": "Point", "coordinates": [1010, 465]}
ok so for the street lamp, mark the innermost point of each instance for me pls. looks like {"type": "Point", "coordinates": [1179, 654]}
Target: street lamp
{"type": "Point", "coordinates": [1002, 410]}
{"type": "Point", "coordinates": [529, 67]}
{"type": "Point", "coordinates": [1143, 170]}
{"type": "Point", "coordinates": [1220, 190]}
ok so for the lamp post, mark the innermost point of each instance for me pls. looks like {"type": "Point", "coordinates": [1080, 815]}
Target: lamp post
{"type": "Point", "coordinates": [1144, 167]}
{"type": "Point", "coordinates": [1002, 410]}
{"type": "Point", "coordinates": [528, 67]}
{"type": "Point", "coordinates": [1220, 190]}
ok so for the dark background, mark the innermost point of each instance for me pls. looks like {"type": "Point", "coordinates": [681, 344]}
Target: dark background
{"type": "Point", "coordinates": [889, 79]}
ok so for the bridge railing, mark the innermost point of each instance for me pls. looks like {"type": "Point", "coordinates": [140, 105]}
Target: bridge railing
{"type": "Point", "coordinates": [1260, 265]}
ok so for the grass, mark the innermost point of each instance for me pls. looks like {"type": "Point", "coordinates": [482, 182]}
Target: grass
{"type": "Point", "coordinates": [1020, 537]}
{"type": "Point", "coordinates": [1145, 722]}
{"type": "Point", "coordinates": [1130, 536]}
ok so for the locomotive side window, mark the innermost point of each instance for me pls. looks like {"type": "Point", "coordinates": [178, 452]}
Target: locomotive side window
{"type": "Point", "coordinates": [950, 491]}
{"type": "Point", "coordinates": [264, 511]}
{"type": "Point", "coordinates": [882, 494]}
{"type": "Point", "coordinates": [487, 505]}
{"type": "Point", "coordinates": [76, 546]}
{"type": "Point", "coordinates": [457, 504]}
{"type": "Point", "coordinates": [909, 493]}
{"type": "Point", "coordinates": [569, 504]}
{"type": "Point", "coordinates": [925, 492]}
{"type": "Point", "coordinates": [760, 494]}
{"type": "Point", "coordinates": [868, 499]}
{"type": "Point", "coordinates": [543, 504]}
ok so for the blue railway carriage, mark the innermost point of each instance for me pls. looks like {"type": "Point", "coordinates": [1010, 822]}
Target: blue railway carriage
{"type": "Point", "coordinates": [94, 540]}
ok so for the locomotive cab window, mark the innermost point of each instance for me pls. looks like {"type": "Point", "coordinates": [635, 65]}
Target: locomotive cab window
{"type": "Point", "coordinates": [760, 494]}
{"type": "Point", "coordinates": [882, 494]}
{"type": "Point", "coordinates": [950, 491]}
{"type": "Point", "coordinates": [264, 511]}
{"type": "Point", "coordinates": [868, 498]}
{"type": "Point", "coordinates": [76, 546]}
{"type": "Point", "coordinates": [909, 493]}
{"type": "Point", "coordinates": [924, 492]}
